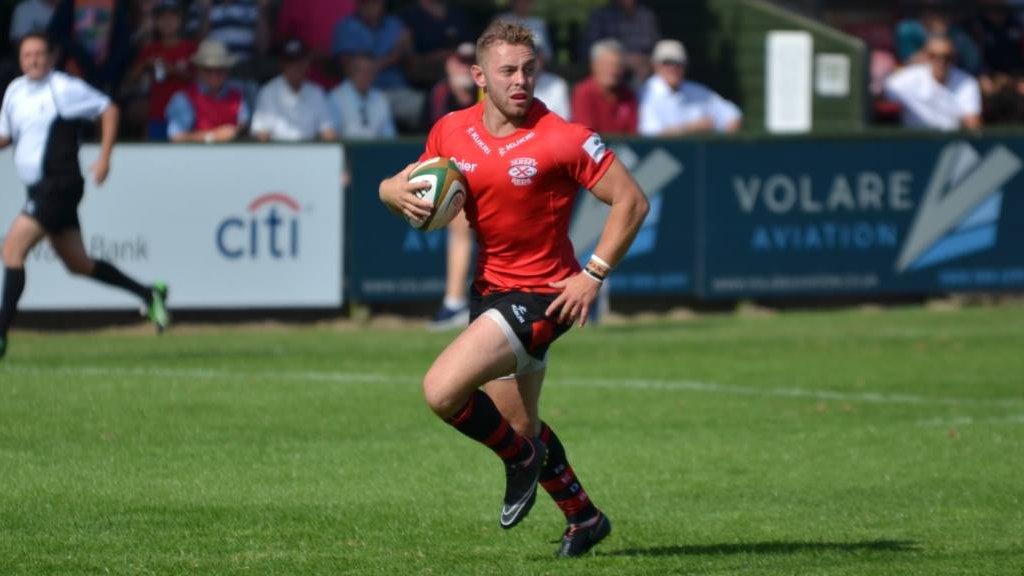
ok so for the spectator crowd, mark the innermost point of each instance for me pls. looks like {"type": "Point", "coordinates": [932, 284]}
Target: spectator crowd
{"type": "Point", "coordinates": [299, 70]}
{"type": "Point", "coordinates": [947, 65]}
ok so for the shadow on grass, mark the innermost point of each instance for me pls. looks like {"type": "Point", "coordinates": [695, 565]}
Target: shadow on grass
{"type": "Point", "coordinates": [768, 548]}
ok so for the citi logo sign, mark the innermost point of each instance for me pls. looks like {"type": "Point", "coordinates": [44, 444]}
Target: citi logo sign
{"type": "Point", "coordinates": [270, 228]}
{"type": "Point", "coordinates": [959, 214]}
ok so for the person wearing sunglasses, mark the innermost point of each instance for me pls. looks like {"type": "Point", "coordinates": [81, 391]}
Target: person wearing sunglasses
{"type": "Point", "coordinates": [936, 94]}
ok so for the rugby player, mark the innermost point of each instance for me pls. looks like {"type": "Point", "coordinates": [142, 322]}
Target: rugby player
{"type": "Point", "coordinates": [524, 166]}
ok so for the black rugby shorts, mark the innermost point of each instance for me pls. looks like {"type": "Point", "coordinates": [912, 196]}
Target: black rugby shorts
{"type": "Point", "coordinates": [53, 202]}
{"type": "Point", "coordinates": [521, 317]}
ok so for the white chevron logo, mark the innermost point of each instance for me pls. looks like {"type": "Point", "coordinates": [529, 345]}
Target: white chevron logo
{"type": "Point", "coordinates": [960, 183]}
{"type": "Point", "coordinates": [653, 173]}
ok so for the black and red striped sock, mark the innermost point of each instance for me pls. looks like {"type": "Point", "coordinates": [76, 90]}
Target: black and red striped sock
{"type": "Point", "coordinates": [558, 478]}
{"type": "Point", "coordinates": [480, 419]}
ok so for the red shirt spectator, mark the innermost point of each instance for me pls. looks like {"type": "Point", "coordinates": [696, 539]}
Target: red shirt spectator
{"type": "Point", "coordinates": [166, 63]}
{"type": "Point", "coordinates": [603, 102]}
{"type": "Point", "coordinates": [612, 112]}
{"type": "Point", "coordinates": [213, 111]}
{"type": "Point", "coordinates": [209, 110]}
{"type": "Point", "coordinates": [166, 59]}
{"type": "Point", "coordinates": [171, 72]}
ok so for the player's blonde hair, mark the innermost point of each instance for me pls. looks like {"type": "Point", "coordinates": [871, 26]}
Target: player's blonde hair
{"type": "Point", "coordinates": [504, 31]}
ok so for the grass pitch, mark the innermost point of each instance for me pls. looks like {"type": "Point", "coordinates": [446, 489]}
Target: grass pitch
{"type": "Point", "coordinates": [806, 443]}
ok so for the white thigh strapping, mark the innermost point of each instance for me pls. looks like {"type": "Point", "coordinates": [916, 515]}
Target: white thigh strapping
{"type": "Point", "coordinates": [525, 363]}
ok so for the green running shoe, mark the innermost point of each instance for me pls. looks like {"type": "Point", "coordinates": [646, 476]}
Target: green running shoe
{"type": "Point", "coordinates": [157, 312]}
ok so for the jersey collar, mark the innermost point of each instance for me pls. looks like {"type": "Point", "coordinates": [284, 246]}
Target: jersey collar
{"type": "Point", "coordinates": [537, 109]}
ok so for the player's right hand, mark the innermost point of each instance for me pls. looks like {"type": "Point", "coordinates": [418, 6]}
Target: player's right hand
{"type": "Point", "coordinates": [573, 303]}
{"type": "Point", "coordinates": [400, 195]}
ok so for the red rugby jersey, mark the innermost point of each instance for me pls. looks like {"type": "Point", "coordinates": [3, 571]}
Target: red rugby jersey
{"type": "Point", "coordinates": [522, 188]}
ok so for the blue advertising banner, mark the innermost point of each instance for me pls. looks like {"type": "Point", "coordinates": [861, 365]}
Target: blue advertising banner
{"type": "Point", "coordinates": [823, 217]}
{"type": "Point", "coordinates": [738, 219]}
{"type": "Point", "coordinates": [661, 259]}
{"type": "Point", "coordinates": [389, 261]}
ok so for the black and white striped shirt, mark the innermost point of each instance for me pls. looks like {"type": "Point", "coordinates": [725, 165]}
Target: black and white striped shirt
{"type": "Point", "coordinates": [233, 22]}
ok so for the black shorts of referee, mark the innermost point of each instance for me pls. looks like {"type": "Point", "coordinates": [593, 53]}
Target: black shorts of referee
{"type": "Point", "coordinates": [53, 202]}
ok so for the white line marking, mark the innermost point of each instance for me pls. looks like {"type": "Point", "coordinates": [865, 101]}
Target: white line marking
{"type": "Point", "coordinates": [867, 397]}
{"type": "Point", "coordinates": [206, 374]}
{"type": "Point", "coordinates": [969, 420]}
{"type": "Point", "coordinates": [340, 377]}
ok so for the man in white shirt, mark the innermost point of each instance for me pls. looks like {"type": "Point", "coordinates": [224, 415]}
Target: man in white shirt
{"type": "Point", "coordinates": [936, 95]}
{"type": "Point", "coordinates": [289, 108]}
{"type": "Point", "coordinates": [42, 114]}
{"type": "Point", "coordinates": [360, 110]}
{"type": "Point", "coordinates": [671, 105]}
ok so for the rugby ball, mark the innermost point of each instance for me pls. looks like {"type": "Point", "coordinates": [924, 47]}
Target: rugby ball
{"type": "Point", "coordinates": [447, 191]}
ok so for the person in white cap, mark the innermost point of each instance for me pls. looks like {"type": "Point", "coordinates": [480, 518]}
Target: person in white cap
{"type": "Point", "coordinates": [211, 109]}
{"type": "Point", "coordinates": [671, 105]}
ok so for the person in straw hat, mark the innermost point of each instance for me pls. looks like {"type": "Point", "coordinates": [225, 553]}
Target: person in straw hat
{"type": "Point", "coordinates": [211, 109]}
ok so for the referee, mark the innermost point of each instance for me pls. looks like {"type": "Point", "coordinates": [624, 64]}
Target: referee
{"type": "Point", "coordinates": [42, 113]}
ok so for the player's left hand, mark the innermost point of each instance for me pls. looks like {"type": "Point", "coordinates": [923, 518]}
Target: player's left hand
{"type": "Point", "coordinates": [100, 169]}
{"type": "Point", "coordinates": [574, 302]}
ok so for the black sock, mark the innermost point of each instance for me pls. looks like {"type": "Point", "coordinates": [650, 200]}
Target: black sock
{"type": "Point", "coordinates": [560, 481]}
{"type": "Point", "coordinates": [480, 419]}
{"type": "Point", "coordinates": [14, 285]}
{"type": "Point", "coordinates": [108, 274]}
